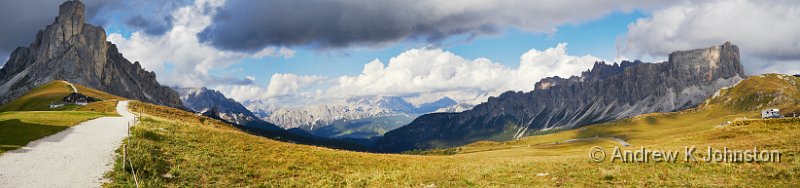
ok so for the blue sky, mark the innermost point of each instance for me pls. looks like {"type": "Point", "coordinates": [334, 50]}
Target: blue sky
{"type": "Point", "coordinates": [596, 37]}
{"type": "Point", "coordinates": [322, 51]}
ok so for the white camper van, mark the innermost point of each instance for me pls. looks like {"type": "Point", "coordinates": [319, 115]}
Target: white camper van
{"type": "Point", "coordinates": [771, 113]}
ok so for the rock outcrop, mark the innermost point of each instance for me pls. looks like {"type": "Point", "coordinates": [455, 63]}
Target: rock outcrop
{"type": "Point", "coordinates": [72, 50]}
{"type": "Point", "coordinates": [213, 103]}
{"type": "Point", "coordinates": [604, 93]}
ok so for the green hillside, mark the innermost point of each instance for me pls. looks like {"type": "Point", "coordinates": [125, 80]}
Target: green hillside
{"type": "Point", "coordinates": [17, 129]}
{"type": "Point", "coordinates": [170, 148]}
{"type": "Point", "coordinates": [759, 92]}
{"type": "Point", "coordinates": [29, 117]}
{"type": "Point", "coordinates": [41, 97]}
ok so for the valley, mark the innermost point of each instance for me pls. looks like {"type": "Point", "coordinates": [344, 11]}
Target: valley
{"type": "Point", "coordinates": [187, 148]}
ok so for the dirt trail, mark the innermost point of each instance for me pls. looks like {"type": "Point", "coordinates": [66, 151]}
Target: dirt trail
{"type": "Point", "coordinates": [74, 89]}
{"type": "Point", "coordinates": [75, 157]}
{"type": "Point", "coordinates": [620, 141]}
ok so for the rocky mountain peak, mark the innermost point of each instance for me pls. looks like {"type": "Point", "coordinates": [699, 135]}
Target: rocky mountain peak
{"type": "Point", "coordinates": [599, 71]}
{"type": "Point", "coordinates": [714, 62]}
{"type": "Point", "coordinates": [212, 102]}
{"type": "Point", "coordinates": [68, 25]}
{"type": "Point", "coordinates": [388, 102]}
{"type": "Point", "coordinates": [72, 50]}
{"type": "Point", "coordinates": [604, 93]}
{"type": "Point", "coordinates": [380, 111]}
{"type": "Point", "coordinates": [71, 13]}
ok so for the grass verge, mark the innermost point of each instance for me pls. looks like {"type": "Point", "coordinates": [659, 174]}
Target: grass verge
{"type": "Point", "coordinates": [17, 129]}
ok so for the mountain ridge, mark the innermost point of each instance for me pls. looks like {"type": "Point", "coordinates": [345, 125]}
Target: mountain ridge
{"type": "Point", "coordinates": [77, 52]}
{"type": "Point", "coordinates": [212, 103]}
{"type": "Point", "coordinates": [365, 116]}
{"type": "Point", "coordinates": [203, 100]}
{"type": "Point", "coordinates": [601, 94]}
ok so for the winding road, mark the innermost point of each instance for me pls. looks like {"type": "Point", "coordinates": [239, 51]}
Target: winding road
{"type": "Point", "coordinates": [75, 157]}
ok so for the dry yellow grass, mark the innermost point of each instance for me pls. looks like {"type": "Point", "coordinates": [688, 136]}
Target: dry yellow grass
{"type": "Point", "coordinates": [175, 149]}
{"type": "Point", "coordinates": [29, 117]}
{"type": "Point", "coordinates": [17, 129]}
{"type": "Point", "coordinates": [41, 97]}
{"type": "Point", "coordinates": [107, 107]}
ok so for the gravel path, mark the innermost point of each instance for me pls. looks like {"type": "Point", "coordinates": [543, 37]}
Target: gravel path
{"type": "Point", "coordinates": [74, 89]}
{"type": "Point", "coordinates": [75, 157]}
{"type": "Point", "coordinates": [620, 141]}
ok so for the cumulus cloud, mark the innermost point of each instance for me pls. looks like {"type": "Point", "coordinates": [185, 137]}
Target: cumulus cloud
{"type": "Point", "coordinates": [179, 58]}
{"type": "Point", "coordinates": [535, 65]}
{"type": "Point", "coordinates": [250, 25]}
{"type": "Point", "coordinates": [424, 75]}
{"type": "Point", "coordinates": [284, 89]}
{"type": "Point", "coordinates": [242, 92]}
{"type": "Point", "coordinates": [765, 31]}
{"type": "Point", "coordinates": [289, 84]}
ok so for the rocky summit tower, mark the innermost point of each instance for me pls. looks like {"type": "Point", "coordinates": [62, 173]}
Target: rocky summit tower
{"type": "Point", "coordinates": [71, 50]}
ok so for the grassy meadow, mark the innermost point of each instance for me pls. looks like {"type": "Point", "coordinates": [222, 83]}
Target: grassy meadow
{"type": "Point", "coordinates": [39, 99]}
{"type": "Point", "coordinates": [29, 117]}
{"type": "Point", "coordinates": [174, 149]}
{"type": "Point", "coordinates": [106, 107]}
{"type": "Point", "coordinates": [17, 129]}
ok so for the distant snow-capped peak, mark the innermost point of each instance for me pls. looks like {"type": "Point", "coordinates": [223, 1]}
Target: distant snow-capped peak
{"type": "Point", "coordinates": [352, 108]}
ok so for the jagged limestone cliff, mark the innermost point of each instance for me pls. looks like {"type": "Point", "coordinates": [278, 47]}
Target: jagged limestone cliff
{"type": "Point", "coordinates": [72, 50]}
{"type": "Point", "coordinates": [604, 93]}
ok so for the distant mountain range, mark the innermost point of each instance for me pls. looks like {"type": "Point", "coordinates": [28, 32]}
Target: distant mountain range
{"type": "Point", "coordinates": [604, 93]}
{"type": "Point", "coordinates": [212, 102]}
{"type": "Point", "coordinates": [357, 117]}
{"type": "Point", "coordinates": [71, 50]}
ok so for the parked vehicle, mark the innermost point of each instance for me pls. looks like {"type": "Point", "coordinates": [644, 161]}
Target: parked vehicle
{"type": "Point", "coordinates": [771, 113]}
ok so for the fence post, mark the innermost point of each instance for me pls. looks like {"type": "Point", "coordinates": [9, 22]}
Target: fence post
{"type": "Point", "coordinates": [125, 146]}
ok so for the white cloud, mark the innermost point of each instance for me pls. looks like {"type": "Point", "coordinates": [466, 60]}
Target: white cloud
{"type": "Point", "coordinates": [535, 65]}
{"type": "Point", "coordinates": [423, 71]}
{"type": "Point", "coordinates": [765, 31]}
{"type": "Point", "coordinates": [291, 84]}
{"type": "Point", "coordinates": [191, 60]}
{"type": "Point", "coordinates": [241, 92]}
{"type": "Point", "coordinates": [423, 75]}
